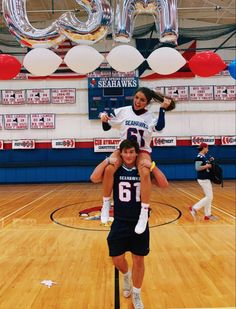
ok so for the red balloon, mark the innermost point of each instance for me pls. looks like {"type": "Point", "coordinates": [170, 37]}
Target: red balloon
{"type": "Point", "coordinates": [9, 66]}
{"type": "Point", "coordinates": [206, 64]}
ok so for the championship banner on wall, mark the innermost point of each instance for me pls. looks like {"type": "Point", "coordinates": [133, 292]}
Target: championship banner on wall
{"type": "Point", "coordinates": [63, 143]}
{"type": "Point", "coordinates": [197, 140]}
{"type": "Point", "coordinates": [225, 93]}
{"type": "Point", "coordinates": [105, 144]}
{"type": "Point", "coordinates": [228, 140]}
{"type": "Point", "coordinates": [38, 96]}
{"type": "Point", "coordinates": [1, 144]}
{"type": "Point", "coordinates": [23, 144]}
{"type": "Point", "coordinates": [42, 121]}
{"type": "Point", "coordinates": [13, 97]}
{"type": "Point", "coordinates": [164, 141]}
{"type": "Point", "coordinates": [178, 92]}
{"type": "Point", "coordinates": [16, 122]}
{"type": "Point", "coordinates": [201, 93]}
{"type": "Point", "coordinates": [159, 89]}
{"type": "Point", "coordinates": [63, 96]}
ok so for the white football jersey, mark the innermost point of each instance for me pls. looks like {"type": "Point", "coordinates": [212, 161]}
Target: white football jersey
{"type": "Point", "coordinates": [132, 126]}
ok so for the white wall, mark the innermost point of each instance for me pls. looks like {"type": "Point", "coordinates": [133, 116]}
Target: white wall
{"type": "Point", "coordinates": [189, 118]}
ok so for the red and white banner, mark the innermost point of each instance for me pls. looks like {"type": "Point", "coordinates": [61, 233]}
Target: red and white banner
{"type": "Point", "coordinates": [1, 144]}
{"type": "Point", "coordinates": [228, 140]}
{"type": "Point", "coordinates": [105, 145]}
{"type": "Point", "coordinates": [42, 121]}
{"type": "Point", "coordinates": [197, 140]}
{"type": "Point", "coordinates": [38, 96]}
{"type": "Point", "coordinates": [23, 144]}
{"type": "Point", "coordinates": [63, 96]}
{"type": "Point", "coordinates": [201, 93]}
{"type": "Point", "coordinates": [164, 141]}
{"type": "Point", "coordinates": [16, 122]}
{"type": "Point", "coordinates": [63, 143]}
{"type": "Point", "coordinates": [225, 93]}
{"type": "Point", "coordinates": [13, 97]}
{"type": "Point", "coordinates": [178, 92]}
{"type": "Point", "coordinates": [0, 122]}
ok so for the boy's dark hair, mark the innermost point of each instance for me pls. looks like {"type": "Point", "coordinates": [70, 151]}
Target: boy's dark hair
{"type": "Point", "coordinates": [127, 143]}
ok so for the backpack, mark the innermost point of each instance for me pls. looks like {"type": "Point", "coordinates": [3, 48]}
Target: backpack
{"type": "Point", "coordinates": [216, 174]}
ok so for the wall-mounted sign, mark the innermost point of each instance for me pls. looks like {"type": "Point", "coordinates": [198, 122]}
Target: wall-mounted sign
{"type": "Point", "coordinates": [63, 96]}
{"type": "Point", "coordinates": [42, 121]}
{"type": "Point", "coordinates": [228, 140]}
{"type": "Point", "coordinates": [105, 144]}
{"type": "Point", "coordinates": [16, 122]}
{"type": "Point", "coordinates": [201, 93]}
{"type": "Point", "coordinates": [23, 144]}
{"type": "Point", "coordinates": [225, 93]}
{"type": "Point", "coordinates": [178, 92]}
{"type": "Point", "coordinates": [164, 141]}
{"type": "Point", "coordinates": [13, 97]}
{"type": "Point", "coordinates": [63, 143]}
{"type": "Point", "coordinates": [197, 140]}
{"type": "Point", "coordinates": [38, 96]}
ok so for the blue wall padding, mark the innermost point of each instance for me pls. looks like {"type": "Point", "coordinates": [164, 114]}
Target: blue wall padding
{"type": "Point", "coordinates": [76, 165]}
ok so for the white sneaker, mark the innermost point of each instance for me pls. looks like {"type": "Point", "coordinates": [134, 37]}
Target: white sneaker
{"type": "Point", "coordinates": [105, 211]}
{"type": "Point", "coordinates": [127, 286]}
{"type": "Point", "coordinates": [137, 301]}
{"type": "Point", "coordinates": [142, 222]}
{"type": "Point", "coordinates": [211, 218]}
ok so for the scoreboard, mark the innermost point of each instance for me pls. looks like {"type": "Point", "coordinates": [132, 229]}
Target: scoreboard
{"type": "Point", "coordinates": [107, 93]}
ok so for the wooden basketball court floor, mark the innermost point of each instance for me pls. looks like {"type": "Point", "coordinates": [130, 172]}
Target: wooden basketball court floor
{"type": "Point", "coordinates": [52, 232]}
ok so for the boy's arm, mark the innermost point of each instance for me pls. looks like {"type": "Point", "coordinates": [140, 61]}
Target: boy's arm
{"type": "Point", "coordinates": [97, 174]}
{"type": "Point", "coordinates": [159, 178]}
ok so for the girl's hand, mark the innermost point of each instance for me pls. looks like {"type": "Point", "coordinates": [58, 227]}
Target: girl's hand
{"type": "Point", "coordinates": [166, 103]}
{"type": "Point", "coordinates": [146, 163]}
{"type": "Point", "coordinates": [104, 117]}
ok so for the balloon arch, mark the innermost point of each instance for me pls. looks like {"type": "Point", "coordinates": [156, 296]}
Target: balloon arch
{"type": "Point", "coordinates": [41, 61]}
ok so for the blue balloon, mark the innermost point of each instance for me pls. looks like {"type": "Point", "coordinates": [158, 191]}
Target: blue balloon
{"type": "Point", "coordinates": [232, 68]}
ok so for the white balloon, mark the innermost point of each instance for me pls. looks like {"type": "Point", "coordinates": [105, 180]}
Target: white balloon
{"type": "Point", "coordinates": [124, 58]}
{"type": "Point", "coordinates": [166, 60]}
{"type": "Point", "coordinates": [83, 59]}
{"type": "Point", "coordinates": [41, 62]}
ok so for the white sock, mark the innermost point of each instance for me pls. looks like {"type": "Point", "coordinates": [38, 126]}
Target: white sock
{"type": "Point", "coordinates": [145, 206]}
{"type": "Point", "coordinates": [127, 274]}
{"type": "Point", "coordinates": [136, 290]}
{"type": "Point", "coordinates": [144, 209]}
{"type": "Point", "coordinates": [106, 200]}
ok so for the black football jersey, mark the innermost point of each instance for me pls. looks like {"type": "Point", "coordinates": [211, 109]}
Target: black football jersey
{"type": "Point", "coordinates": [126, 194]}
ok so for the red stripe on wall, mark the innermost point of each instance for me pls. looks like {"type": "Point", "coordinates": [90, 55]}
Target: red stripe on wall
{"type": "Point", "coordinates": [89, 144]}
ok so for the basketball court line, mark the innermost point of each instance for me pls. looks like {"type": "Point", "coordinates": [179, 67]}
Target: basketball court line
{"type": "Point", "coordinates": [26, 205]}
{"type": "Point", "coordinates": [213, 206]}
{"type": "Point", "coordinates": [207, 308]}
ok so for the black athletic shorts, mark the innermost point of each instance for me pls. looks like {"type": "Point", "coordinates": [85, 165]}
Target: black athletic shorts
{"type": "Point", "coordinates": [122, 238]}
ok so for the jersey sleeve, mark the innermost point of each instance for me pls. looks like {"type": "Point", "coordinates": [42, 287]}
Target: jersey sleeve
{"type": "Point", "coordinates": [116, 118]}
{"type": "Point", "coordinates": [160, 122]}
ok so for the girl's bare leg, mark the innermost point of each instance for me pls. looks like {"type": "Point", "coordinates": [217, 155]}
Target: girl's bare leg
{"type": "Point", "coordinates": [146, 187]}
{"type": "Point", "coordinates": [107, 183]}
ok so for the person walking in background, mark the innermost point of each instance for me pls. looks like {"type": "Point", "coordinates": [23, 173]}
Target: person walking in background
{"type": "Point", "coordinates": [127, 204]}
{"type": "Point", "coordinates": [202, 166]}
{"type": "Point", "coordinates": [135, 122]}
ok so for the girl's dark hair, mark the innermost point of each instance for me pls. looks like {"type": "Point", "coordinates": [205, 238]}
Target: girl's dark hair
{"type": "Point", "coordinates": [127, 144]}
{"type": "Point", "coordinates": [156, 96]}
